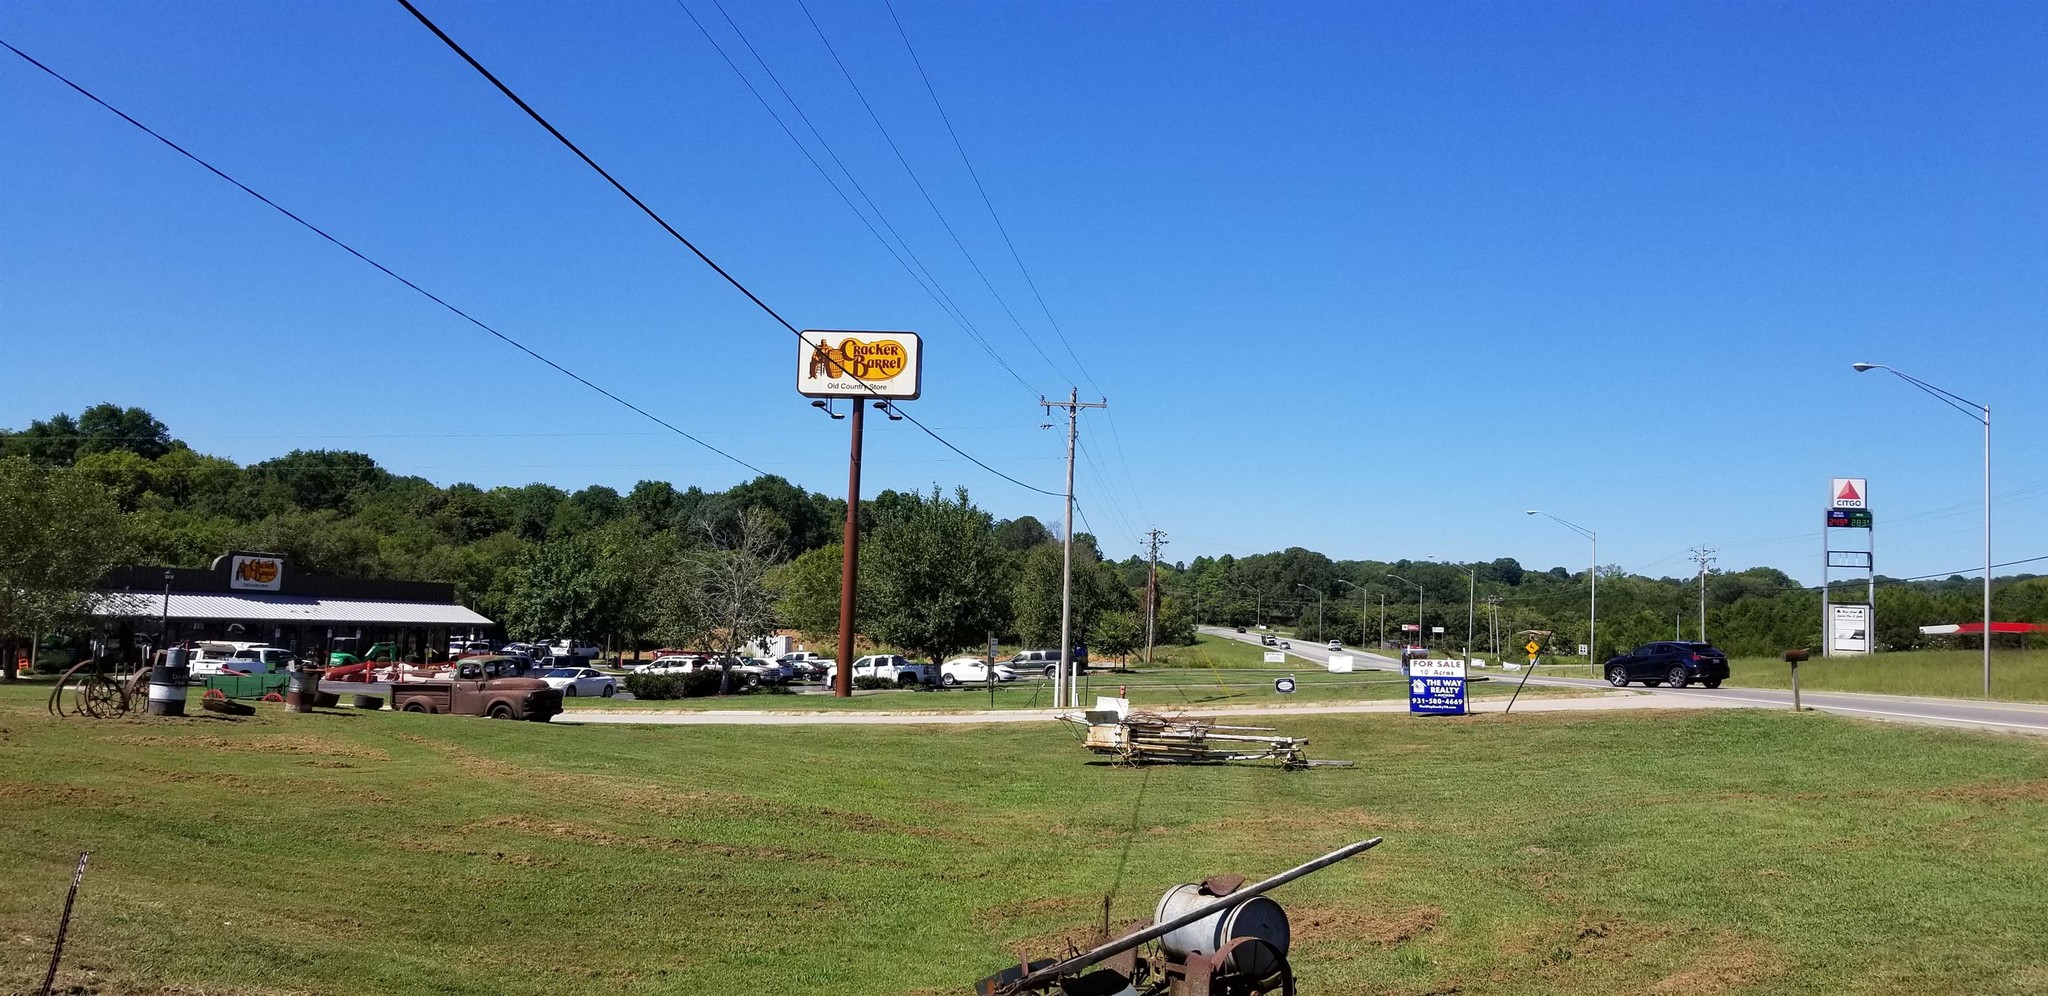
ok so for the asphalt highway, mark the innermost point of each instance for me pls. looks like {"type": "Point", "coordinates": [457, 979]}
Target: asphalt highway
{"type": "Point", "coordinates": [2010, 717]}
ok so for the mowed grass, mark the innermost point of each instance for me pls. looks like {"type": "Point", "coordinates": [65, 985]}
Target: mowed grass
{"type": "Point", "coordinates": [342, 852]}
{"type": "Point", "coordinates": [2016, 676]}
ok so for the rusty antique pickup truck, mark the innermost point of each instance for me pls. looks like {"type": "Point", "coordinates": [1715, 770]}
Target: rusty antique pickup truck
{"type": "Point", "coordinates": [480, 689]}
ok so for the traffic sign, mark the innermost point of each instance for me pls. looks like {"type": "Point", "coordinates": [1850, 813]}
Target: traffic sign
{"type": "Point", "coordinates": [1850, 492]}
{"type": "Point", "coordinates": [1532, 647]}
{"type": "Point", "coordinates": [1284, 686]}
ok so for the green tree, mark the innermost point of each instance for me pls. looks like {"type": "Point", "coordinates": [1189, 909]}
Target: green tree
{"type": "Point", "coordinates": [935, 576]}
{"type": "Point", "coordinates": [1116, 634]}
{"type": "Point", "coordinates": [809, 587]}
{"type": "Point", "coordinates": [562, 589]}
{"type": "Point", "coordinates": [59, 534]}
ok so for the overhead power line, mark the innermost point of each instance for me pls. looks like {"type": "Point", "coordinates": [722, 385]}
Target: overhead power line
{"type": "Point", "coordinates": [919, 272]}
{"type": "Point", "coordinates": [387, 271]}
{"type": "Point", "coordinates": [919, 183]}
{"type": "Point", "coordinates": [678, 236]}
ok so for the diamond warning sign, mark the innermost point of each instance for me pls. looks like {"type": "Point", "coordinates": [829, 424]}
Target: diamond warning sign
{"type": "Point", "coordinates": [1850, 492]}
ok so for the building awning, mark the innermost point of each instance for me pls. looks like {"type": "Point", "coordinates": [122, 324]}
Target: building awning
{"type": "Point", "coordinates": [285, 609]}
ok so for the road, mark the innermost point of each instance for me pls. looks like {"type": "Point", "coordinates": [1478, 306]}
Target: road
{"type": "Point", "coordinates": [2012, 717]}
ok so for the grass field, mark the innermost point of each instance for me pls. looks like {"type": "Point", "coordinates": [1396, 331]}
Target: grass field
{"type": "Point", "coordinates": [1158, 688]}
{"type": "Point", "coordinates": [2016, 676]}
{"type": "Point", "coordinates": [344, 853]}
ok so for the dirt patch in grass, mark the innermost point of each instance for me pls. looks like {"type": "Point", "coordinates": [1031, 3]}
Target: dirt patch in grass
{"type": "Point", "coordinates": [1326, 931]}
{"type": "Point", "coordinates": [1729, 963]}
{"type": "Point", "coordinates": [1067, 907]}
{"type": "Point", "coordinates": [285, 744]}
{"type": "Point", "coordinates": [22, 793]}
{"type": "Point", "coordinates": [1301, 820]}
{"type": "Point", "coordinates": [2033, 790]}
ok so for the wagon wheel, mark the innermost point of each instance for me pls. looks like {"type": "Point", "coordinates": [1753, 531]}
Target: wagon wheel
{"type": "Point", "coordinates": [100, 698]}
{"type": "Point", "coordinates": [135, 691]}
{"type": "Point", "coordinates": [71, 681]}
{"type": "Point", "coordinates": [1279, 975]}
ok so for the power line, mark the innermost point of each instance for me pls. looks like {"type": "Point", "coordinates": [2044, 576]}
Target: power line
{"type": "Point", "coordinates": [387, 271]}
{"type": "Point", "coordinates": [699, 253]}
{"type": "Point", "coordinates": [986, 202]}
{"type": "Point", "coordinates": [919, 183]}
{"type": "Point", "coordinates": [927, 281]}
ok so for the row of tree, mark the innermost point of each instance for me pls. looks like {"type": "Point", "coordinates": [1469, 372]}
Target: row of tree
{"type": "Point", "coordinates": [690, 567]}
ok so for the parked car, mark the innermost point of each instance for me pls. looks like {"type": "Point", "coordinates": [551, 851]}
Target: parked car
{"type": "Point", "coordinates": [477, 689]}
{"type": "Point", "coordinates": [574, 648]}
{"type": "Point", "coordinates": [246, 658]}
{"type": "Point", "coordinates": [575, 681]}
{"type": "Point", "coordinates": [805, 665]}
{"type": "Point", "coordinates": [972, 671]}
{"type": "Point", "coordinates": [775, 672]}
{"type": "Point", "coordinates": [1670, 663]}
{"type": "Point", "coordinates": [673, 664]}
{"type": "Point", "coordinates": [893, 667]}
{"type": "Point", "coordinates": [1047, 661]}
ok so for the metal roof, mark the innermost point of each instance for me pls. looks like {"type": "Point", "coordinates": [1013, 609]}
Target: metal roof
{"type": "Point", "coordinates": [285, 608]}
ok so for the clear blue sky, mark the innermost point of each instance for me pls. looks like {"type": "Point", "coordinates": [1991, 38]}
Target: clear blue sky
{"type": "Point", "coordinates": [1366, 278]}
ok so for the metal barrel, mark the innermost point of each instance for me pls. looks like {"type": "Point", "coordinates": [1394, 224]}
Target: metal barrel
{"type": "Point", "coordinates": [167, 684]}
{"type": "Point", "coordinates": [1258, 917]}
{"type": "Point", "coordinates": [1040, 977]}
{"type": "Point", "coordinates": [302, 688]}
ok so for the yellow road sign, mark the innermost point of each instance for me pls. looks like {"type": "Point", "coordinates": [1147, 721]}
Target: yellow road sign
{"type": "Point", "coordinates": [1532, 646]}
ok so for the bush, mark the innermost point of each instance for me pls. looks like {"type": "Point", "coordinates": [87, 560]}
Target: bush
{"type": "Point", "coordinates": [696, 684]}
{"type": "Point", "coordinates": [870, 681]}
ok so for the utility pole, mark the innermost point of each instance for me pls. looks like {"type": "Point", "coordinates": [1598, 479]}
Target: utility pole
{"type": "Point", "coordinates": [1065, 695]}
{"type": "Point", "coordinates": [1383, 620]}
{"type": "Point", "coordinates": [1153, 539]}
{"type": "Point", "coordinates": [1704, 555]}
{"type": "Point", "coordinates": [1493, 622]}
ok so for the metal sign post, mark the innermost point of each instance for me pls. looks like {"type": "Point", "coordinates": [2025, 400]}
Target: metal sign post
{"type": "Point", "coordinates": [1848, 629]}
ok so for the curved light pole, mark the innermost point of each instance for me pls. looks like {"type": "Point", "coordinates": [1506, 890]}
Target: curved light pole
{"type": "Point", "coordinates": [1471, 600]}
{"type": "Point", "coordinates": [1418, 609]}
{"type": "Point", "coordinates": [1319, 610]}
{"type": "Point", "coordinates": [1362, 641]}
{"type": "Point", "coordinates": [1593, 582]}
{"type": "Point", "coordinates": [1981, 413]}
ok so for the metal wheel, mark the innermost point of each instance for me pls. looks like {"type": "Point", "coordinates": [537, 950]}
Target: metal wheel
{"type": "Point", "coordinates": [1678, 678]}
{"type": "Point", "coordinates": [610, 690]}
{"type": "Point", "coordinates": [1617, 676]}
{"type": "Point", "coordinates": [100, 698]}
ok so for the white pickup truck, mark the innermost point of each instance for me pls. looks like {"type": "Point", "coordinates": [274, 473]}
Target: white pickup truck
{"type": "Point", "coordinates": [892, 667]}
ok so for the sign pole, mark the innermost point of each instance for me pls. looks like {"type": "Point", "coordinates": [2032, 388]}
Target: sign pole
{"type": "Point", "coordinates": [849, 565]}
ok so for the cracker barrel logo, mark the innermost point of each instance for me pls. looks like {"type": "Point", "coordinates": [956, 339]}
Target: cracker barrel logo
{"type": "Point", "coordinates": [255, 572]}
{"type": "Point", "coordinates": [879, 360]}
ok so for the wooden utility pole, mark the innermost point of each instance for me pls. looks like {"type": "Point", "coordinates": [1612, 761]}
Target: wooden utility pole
{"type": "Point", "coordinates": [1153, 539]}
{"type": "Point", "coordinates": [1064, 694]}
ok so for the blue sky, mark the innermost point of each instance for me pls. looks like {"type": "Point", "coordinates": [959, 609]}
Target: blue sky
{"type": "Point", "coordinates": [1366, 278]}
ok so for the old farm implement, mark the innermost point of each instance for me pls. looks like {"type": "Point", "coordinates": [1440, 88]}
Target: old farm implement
{"type": "Point", "coordinates": [1218, 937]}
{"type": "Point", "coordinates": [1111, 729]}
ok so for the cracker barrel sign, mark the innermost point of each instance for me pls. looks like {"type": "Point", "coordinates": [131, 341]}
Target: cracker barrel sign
{"type": "Point", "coordinates": [880, 365]}
{"type": "Point", "coordinates": [255, 573]}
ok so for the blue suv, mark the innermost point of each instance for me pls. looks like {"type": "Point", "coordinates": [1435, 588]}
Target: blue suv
{"type": "Point", "coordinates": [1671, 663]}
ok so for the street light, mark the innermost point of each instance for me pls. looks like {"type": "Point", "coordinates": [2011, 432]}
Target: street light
{"type": "Point", "coordinates": [1593, 582]}
{"type": "Point", "coordinates": [1361, 610]}
{"type": "Point", "coordinates": [1981, 413]}
{"type": "Point", "coordinates": [1471, 601]}
{"type": "Point", "coordinates": [1320, 635]}
{"type": "Point", "coordinates": [1418, 608]}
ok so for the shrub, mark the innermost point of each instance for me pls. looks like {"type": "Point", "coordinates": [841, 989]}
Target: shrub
{"type": "Point", "coordinates": [870, 681]}
{"type": "Point", "coordinates": [696, 684]}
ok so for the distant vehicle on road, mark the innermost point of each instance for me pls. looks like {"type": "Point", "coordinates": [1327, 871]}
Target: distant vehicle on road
{"type": "Point", "coordinates": [1240, 629]}
{"type": "Point", "coordinates": [581, 681]}
{"type": "Point", "coordinates": [1336, 644]}
{"type": "Point", "coordinates": [1669, 663]}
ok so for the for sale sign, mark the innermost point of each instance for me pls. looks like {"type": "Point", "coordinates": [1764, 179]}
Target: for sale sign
{"type": "Point", "coordinates": [1436, 687]}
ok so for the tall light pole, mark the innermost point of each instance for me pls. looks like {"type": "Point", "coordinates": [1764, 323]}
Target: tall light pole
{"type": "Point", "coordinates": [1418, 608]}
{"type": "Point", "coordinates": [1471, 601]}
{"type": "Point", "coordinates": [1981, 413]}
{"type": "Point", "coordinates": [1361, 610]}
{"type": "Point", "coordinates": [1319, 610]}
{"type": "Point", "coordinates": [1593, 583]}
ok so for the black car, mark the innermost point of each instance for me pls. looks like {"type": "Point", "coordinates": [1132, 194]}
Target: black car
{"type": "Point", "coordinates": [1670, 663]}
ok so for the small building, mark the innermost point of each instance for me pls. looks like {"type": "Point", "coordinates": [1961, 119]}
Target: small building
{"type": "Point", "coordinates": [261, 598]}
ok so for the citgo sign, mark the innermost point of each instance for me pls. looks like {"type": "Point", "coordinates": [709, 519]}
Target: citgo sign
{"type": "Point", "coordinates": [880, 365]}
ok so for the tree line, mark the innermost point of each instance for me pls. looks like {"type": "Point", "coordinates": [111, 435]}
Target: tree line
{"type": "Point", "coordinates": [706, 569]}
